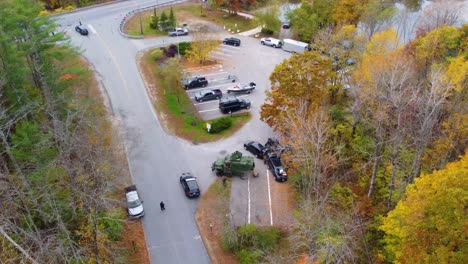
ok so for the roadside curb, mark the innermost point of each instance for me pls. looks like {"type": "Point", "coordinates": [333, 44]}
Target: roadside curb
{"type": "Point", "coordinates": [87, 7]}
{"type": "Point", "coordinates": [138, 10]}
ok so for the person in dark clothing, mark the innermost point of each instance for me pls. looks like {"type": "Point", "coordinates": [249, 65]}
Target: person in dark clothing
{"type": "Point", "coordinates": [161, 204]}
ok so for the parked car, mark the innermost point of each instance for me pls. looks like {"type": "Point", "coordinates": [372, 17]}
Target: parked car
{"type": "Point", "coordinates": [206, 95]}
{"type": "Point", "coordinates": [134, 203]}
{"type": "Point", "coordinates": [272, 42]}
{"type": "Point", "coordinates": [195, 82]}
{"type": "Point", "coordinates": [276, 167]}
{"type": "Point", "coordinates": [232, 41]}
{"type": "Point", "coordinates": [82, 30]}
{"type": "Point", "coordinates": [178, 32]}
{"type": "Point", "coordinates": [286, 25]}
{"type": "Point", "coordinates": [232, 104]}
{"type": "Point", "coordinates": [190, 185]}
{"type": "Point", "coordinates": [255, 148]}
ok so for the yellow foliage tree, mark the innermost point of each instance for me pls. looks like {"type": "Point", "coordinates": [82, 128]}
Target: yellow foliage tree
{"type": "Point", "coordinates": [430, 224]}
{"type": "Point", "coordinates": [200, 48]}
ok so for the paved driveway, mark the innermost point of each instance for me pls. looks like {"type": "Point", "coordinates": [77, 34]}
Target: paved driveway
{"type": "Point", "coordinates": [156, 159]}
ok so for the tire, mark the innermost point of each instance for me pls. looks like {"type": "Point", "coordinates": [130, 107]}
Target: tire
{"type": "Point", "coordinates": [203, 85]}
{"type": "Point", "coordinates": [233, 80]}
{"type": "Point", "coordinates": [245, 147]}
{"type": "Point", "coordinates": [217, 97]}
{"type": "Point", "coordinates": [263, 43]}
{"type": "Point", "coordinates": [248, 107]}
{"type": "Point", "coordinates": [237, 45]}
{"type": "Point", "coordinates": [274, 46]}
{"type": "Point", "coordinates": [248, 92]}
{"type": "Point", "coordinates": [228, 91]}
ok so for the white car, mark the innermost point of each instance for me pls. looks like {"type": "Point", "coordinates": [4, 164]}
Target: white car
{"type": "Point", "coordinates": [272, 42]}
{"type": "Point", "coordinates": [134, 203]}
{"type": "Point", "coordinates": [178, 32]}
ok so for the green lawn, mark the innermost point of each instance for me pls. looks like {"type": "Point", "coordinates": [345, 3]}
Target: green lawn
{"type": "Point", "coordinates": [184, 13]}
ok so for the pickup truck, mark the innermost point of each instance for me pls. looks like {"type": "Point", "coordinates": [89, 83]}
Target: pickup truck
{"type": "Point", "coordinates": [206, 95]}
{"type": "Point", "coordinates": [134, 203]}
{"type": "Point", "coordinates": [195, 82]}
{"type": "Point", "coordinates": [276, 167]}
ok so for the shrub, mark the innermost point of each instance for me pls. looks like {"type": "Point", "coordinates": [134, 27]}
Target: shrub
{"type": "Point", "coordinates": [267, 31]}
{"type": "Point", "coordinates": [171, 51]}
{"type": "Point", "coordinates": [267, 238]}
{"type": "Point", "coordinates": [220, 124]}
{"type": "Point", "coordinates": [183, 47]}
{"type": "Point", "coordinates": [157, 54]}
{"type": "Point", "coordinates": [248, 256]}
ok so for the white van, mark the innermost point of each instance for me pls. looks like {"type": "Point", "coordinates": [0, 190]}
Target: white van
{"type": "Point", "coordinates": [295, 46]}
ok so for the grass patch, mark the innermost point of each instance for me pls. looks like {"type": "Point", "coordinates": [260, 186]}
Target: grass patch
{"type": "Point", "coordinates": [187, 13]}
{"type": "Point", "coordinates": [176, 110]}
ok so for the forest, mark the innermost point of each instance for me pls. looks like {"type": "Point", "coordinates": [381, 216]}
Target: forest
{"type": "Point", "coordinates": [59, 162]}
{"type": "Point", "coordinates": [378, 143]}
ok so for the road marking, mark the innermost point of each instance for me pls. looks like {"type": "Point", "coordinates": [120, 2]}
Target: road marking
{"type": "Point", "coordinates": [217, 66]}
{"type": "Point", "coordinates": [221, 54]}
{"type": "Point", "coordinates": [210, 110]}
{"type": "Point", "coordinates": [248, 191]}
{"type": "Point", "coordinates": [269, 197]}
{"type": "Point", "coordinates": [214, 101]}
{"type": "Point", "coordinates": [92, 29]}
{"type": "Point", "coordinates": [229, 47]}
{"type": "Point", "coordinates": [228, 50]}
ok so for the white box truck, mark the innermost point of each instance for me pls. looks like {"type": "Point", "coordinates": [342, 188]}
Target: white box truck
{"type": "Point", "coordinates": [295, 46]}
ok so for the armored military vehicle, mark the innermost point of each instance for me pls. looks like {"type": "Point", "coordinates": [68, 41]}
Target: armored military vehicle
{"type": "Point", "coordinates": [235, 164]}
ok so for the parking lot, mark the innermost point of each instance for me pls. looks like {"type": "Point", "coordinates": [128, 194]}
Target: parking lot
{"type": "Point", "coordinates": [242, 63]}
{"type": "Point", "coordinates": [258, 200]}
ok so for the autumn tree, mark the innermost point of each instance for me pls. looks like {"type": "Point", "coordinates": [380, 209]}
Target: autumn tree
{"type": "Point", "coordinates": [348, 11]}
{"type": "Point", "coordinates": [269, 18]}
{"type": "Point", "coordinates": [428, 225]}
{"type": "Point", "coordinates": [201, 47]}
{"type": "Point", "coordinates": [309, 74]}
{"type": "Point", "coordinates": [376, 15]}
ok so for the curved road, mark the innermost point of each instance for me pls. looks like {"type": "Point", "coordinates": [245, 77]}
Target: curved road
{"type": "Point", "coordinates": [157, 159]}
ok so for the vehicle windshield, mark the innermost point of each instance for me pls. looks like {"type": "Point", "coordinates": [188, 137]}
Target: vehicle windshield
{"type": "Point", "coordinates": [192, 184]}
{"type": "Point", "coordinates": [134, 204]}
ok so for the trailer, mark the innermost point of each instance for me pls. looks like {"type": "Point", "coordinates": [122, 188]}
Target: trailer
{"type": "Point", "coordinates": [295, 46]}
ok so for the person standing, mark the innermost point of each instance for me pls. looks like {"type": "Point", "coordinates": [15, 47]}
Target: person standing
{"type": "Point", "coordinates": [161, 204]}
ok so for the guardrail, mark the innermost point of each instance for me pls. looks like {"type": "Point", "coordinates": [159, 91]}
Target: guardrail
{"type": "Point", "coordinates": [138, 10]}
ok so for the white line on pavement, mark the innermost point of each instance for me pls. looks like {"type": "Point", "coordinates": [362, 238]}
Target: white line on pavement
{"type": "Point", "coordinates": [269, 198]}
{"type": "Point", "coordinates": [209, 110]}
{"type": "Point", "coordinates": [217, 66]}
{"type": "Point", "coordinates": [221, 54]}
{"type": "Point", "coordinates": [248, 203]}
{"type": "Point", "coordinates": [92, 29]}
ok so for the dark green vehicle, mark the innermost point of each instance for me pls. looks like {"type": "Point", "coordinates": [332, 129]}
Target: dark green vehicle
{"type": "Point", "coordinates": [235, 164]}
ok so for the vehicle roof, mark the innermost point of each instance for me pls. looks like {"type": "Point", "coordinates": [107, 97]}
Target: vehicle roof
{"type": "Point", "coordinates": [255, 143]}
{"type": "Point", "coordinates": [132, 196]}
{"type": "Point", "coordinates": [228, 99]}
{"type": "Point", "coordinates": [233, 38]}
{"type": "Point", "coordinates": [295, 42]}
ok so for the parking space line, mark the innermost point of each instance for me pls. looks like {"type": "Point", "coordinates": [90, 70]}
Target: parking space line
{"type": "Point", "coordinates": [269, 197]}
{"type": "Point", "coordinates": [217, 66]}
{"type": "Point", "coordinates": [222, 54]}
{"type": "Point", "coordinates": [214, 101]}
{"type": "Point", "coordinates": [230, 47]}
{"type": "Point", "coordinates": [92, 28]}
{"type": "Point", "coordinates": [209, 110]}
{"type": "Point", "coordinates": [228, 50]}
{"type": "Point", "coordinates": [248, 203]}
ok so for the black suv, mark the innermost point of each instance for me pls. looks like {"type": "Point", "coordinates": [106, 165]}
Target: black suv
{"type": "Point", "coordinates": [255, 148]}
{"type": "Point", "coordinates": [82, 30]}
{"type": "Point", "coordinates": [232, 41]}
{"type": "Point", "coordinates": [195, 82]}
{"type": "Point", "coordinates": [190, 185]}
{"type": "Point", "coordinates": [232, 104]}
{"type": "Point", "coordinates": [276, 167]}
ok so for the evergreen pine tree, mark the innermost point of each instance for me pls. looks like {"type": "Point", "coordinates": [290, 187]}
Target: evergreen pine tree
{"type": "Point", "coordinates": [172, 19]}
{"type": "Point", "coordinates": [164, 22]}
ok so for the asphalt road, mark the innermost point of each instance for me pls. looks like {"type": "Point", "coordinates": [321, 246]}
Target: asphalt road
{"type": "Point", "coordinates": [157, 159]}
